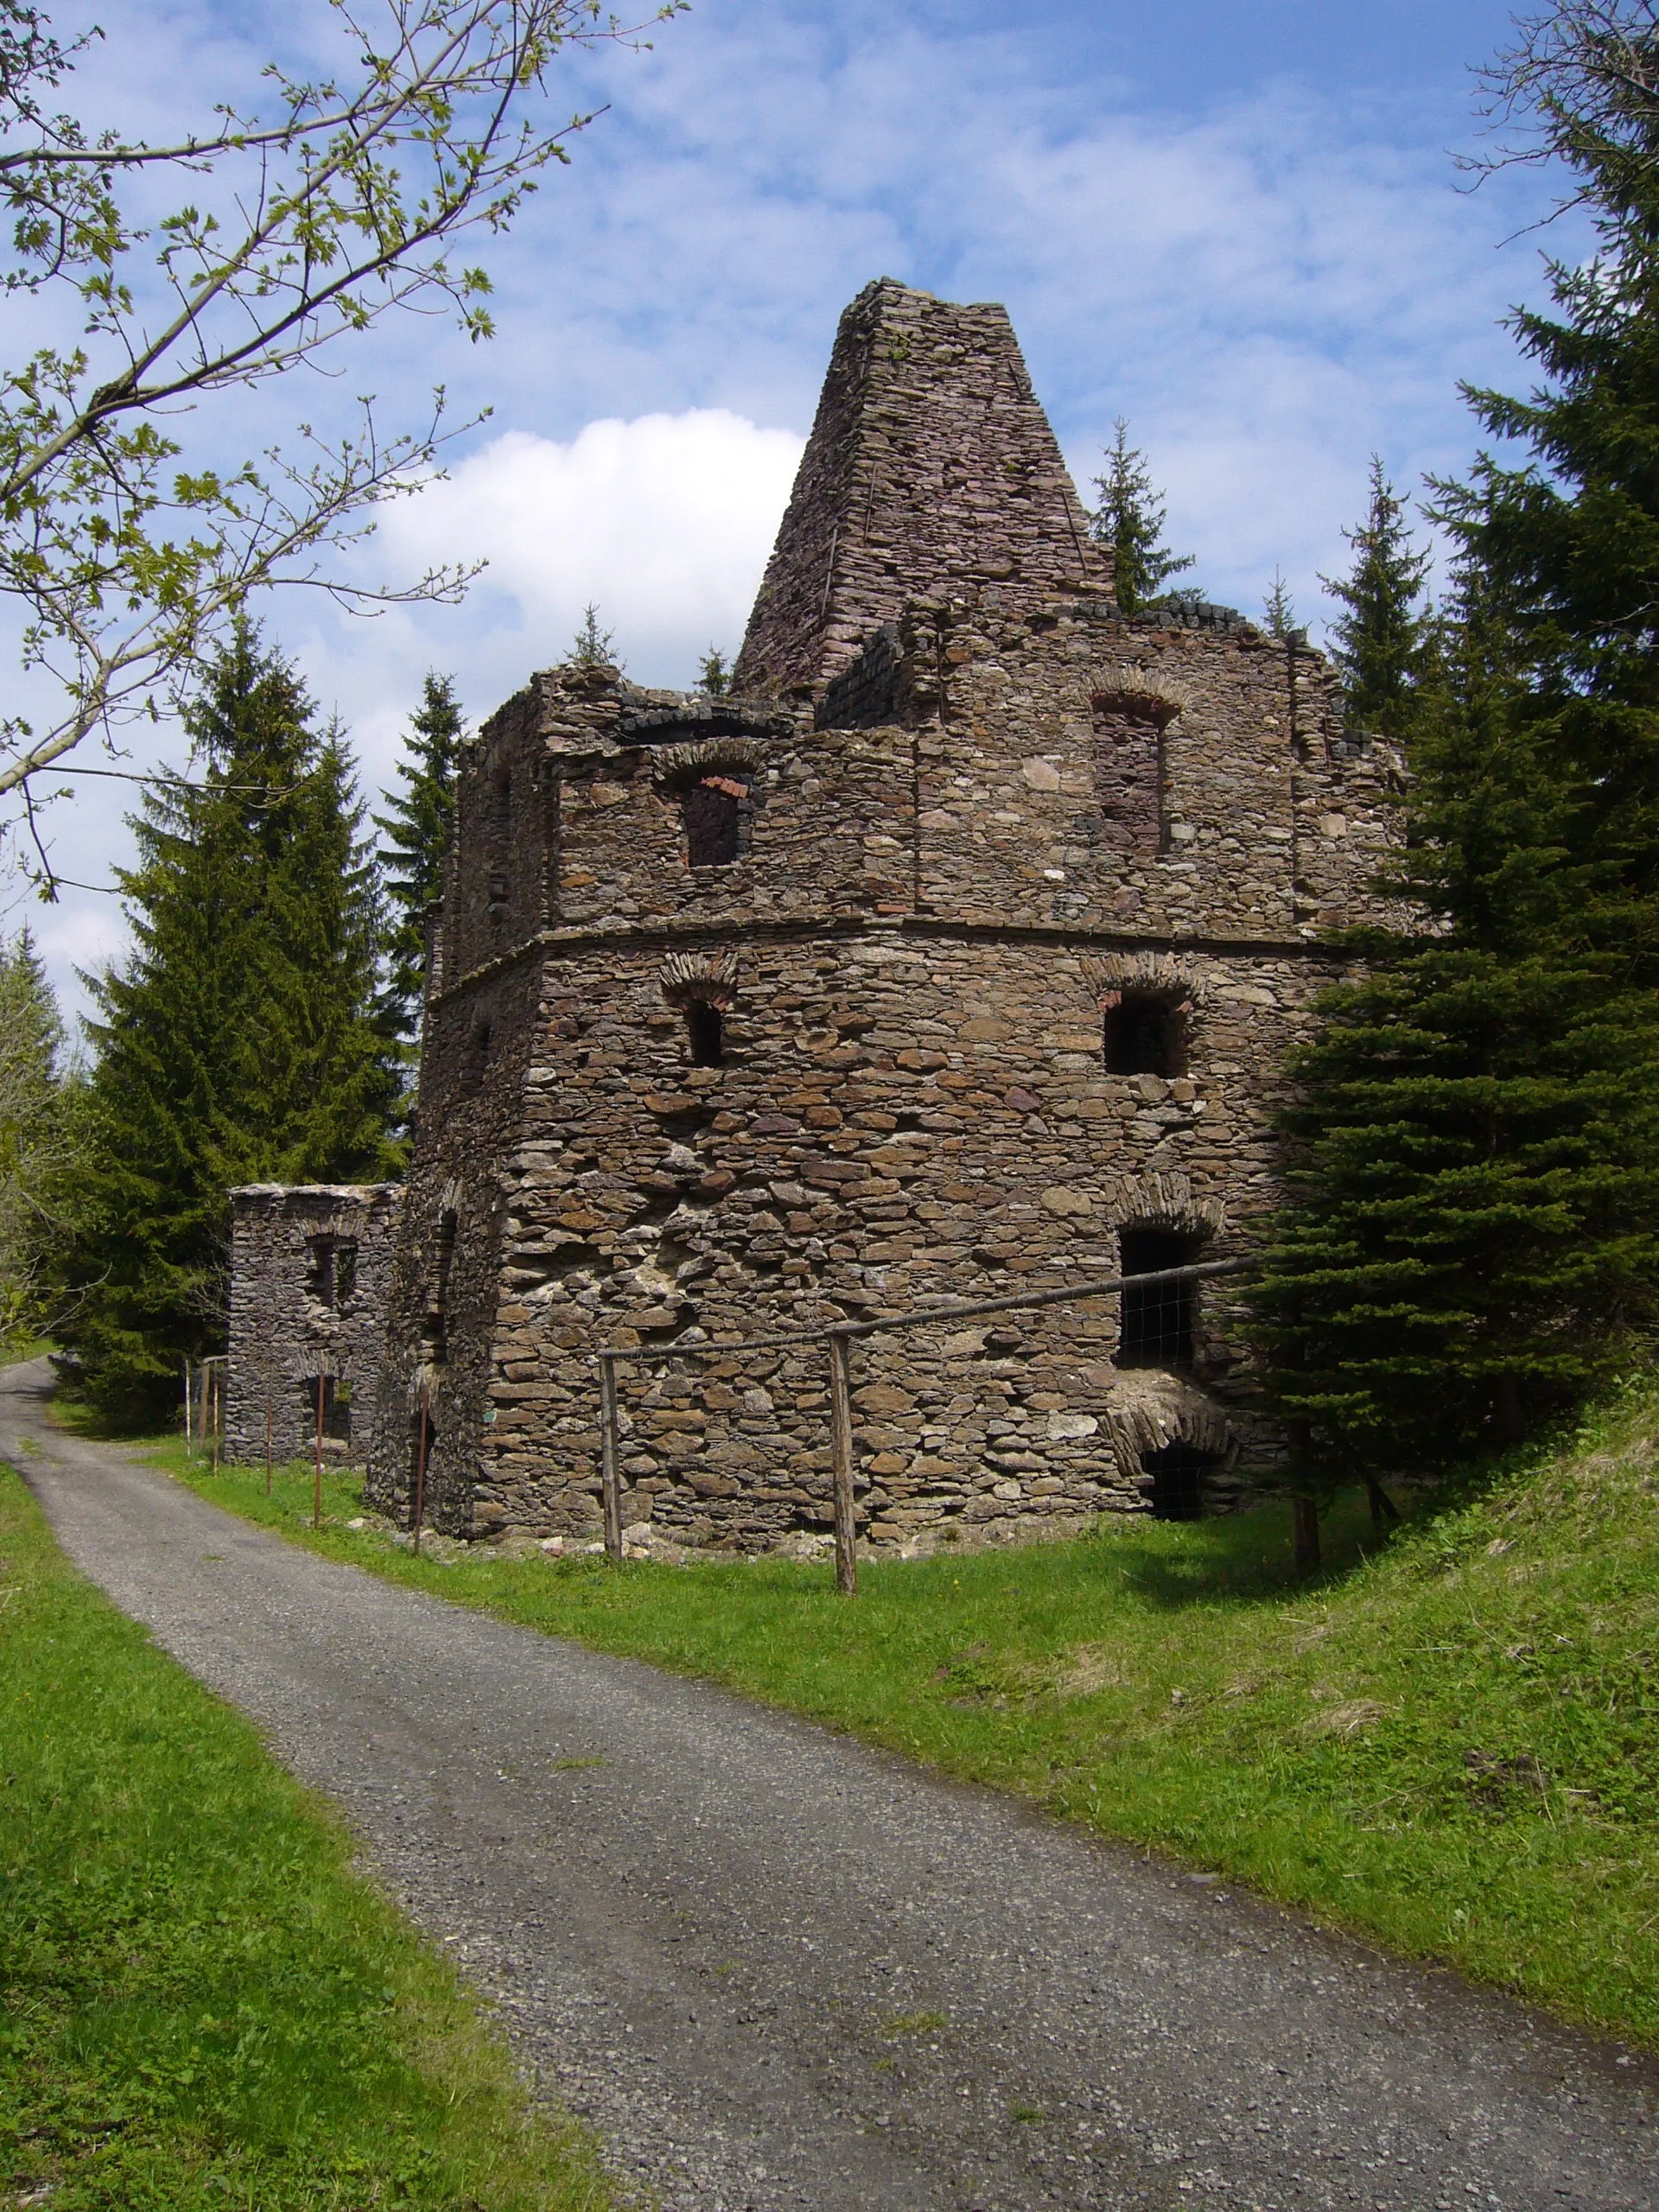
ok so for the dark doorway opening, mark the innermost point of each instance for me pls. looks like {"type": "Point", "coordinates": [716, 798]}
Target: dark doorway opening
{"type": "Point", "coordinates": [1158, 1318]}
{"type": "Point", "coordinates": [1146, 1034]}
{"type": "Point", "coordinates": [1177, 1475]}
{"type": "Point", "coordinates": [705, 1030]}
{"type": "Point", "coordinates": [713, 813]}
{"type": "Point", "coordinates": [336, 1410]}
{"type": "Point", "coordinates": [422, 1442]}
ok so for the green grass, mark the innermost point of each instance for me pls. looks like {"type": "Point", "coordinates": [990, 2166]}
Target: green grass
{"type": "Point", "coordinates": [201, 2004]}
{"type": "Point", "coordinates": [1451, 1745]}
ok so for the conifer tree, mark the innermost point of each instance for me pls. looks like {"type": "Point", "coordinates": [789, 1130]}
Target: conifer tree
{"type": "Point", "coordinates": [417, 826]}
{"type": "Point", "coordinates": [237, 1042]}
{"type": "Point", "coordinates": [1130, 519]}
{"type": "Point", "coordinates": [593, 647]}
{"type": "Point", "coordinates": [1377, 640]}
{"type": "Point", "coordinates": [1471, 1240]}
{"type": "Point", "coordinates": [38, 1131]}
{"type": "Point", "coordinates": [1570, 538]}
{"type": "Point", "coordinates": [1278, 608]}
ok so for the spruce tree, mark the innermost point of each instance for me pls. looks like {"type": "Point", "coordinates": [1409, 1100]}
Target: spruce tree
{"type": "Point", "coordinates": [1130, 519]}
{"type": "Point", "coordinates": [238, 1041]}
{"type": "Point", "coordinates": [417, 825]}
{"type": "Point", "coordinates": [1377, 640]}
{"type": "Point", "coordinates": [38, 1129]}
{"type": "Point", "coordinates": [1278, 608]}
{"type": "Point", "coordinates": [1472, 1238]}
{"type": "Point", "coordinates": [593, 647]}
{"type": "Point", "coordinates": [1570, 538]}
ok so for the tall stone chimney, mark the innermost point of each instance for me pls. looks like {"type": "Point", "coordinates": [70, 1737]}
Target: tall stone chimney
{"type": "Point", "coordinates": [931, 469]}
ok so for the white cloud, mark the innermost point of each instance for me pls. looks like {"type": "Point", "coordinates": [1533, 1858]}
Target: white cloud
{"type": "Point", "coordinates": [663, 522]}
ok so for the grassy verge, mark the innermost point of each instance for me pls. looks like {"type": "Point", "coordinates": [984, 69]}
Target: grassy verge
{"type": "Point", "coordinates": [201, 2004]}
{"type": "Point", "coordinates": [1451, 1746]}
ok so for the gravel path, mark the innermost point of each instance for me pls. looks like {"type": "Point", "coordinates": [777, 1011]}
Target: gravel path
{"type": "Point", "coordinates": [778, 1970]}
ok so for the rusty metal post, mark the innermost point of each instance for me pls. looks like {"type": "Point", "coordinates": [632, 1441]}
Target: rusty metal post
{"type": "Point", "coordinates": [841, 1424]}
{"type": "Point", "coordinates": [316, 1483]}
{"type": "Point", "coordinates": [609, 1468]}
{"type": "Point", "coordinates": [424, 1419]}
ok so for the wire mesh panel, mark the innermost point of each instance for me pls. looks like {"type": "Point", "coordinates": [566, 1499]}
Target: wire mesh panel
{"type": "Point", "coordinates": [1178, 1473]}
{"type": "Point", "coordinates": [1158, 1317]}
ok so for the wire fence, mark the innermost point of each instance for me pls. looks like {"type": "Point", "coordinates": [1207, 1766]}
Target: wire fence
{"type": "Point", "coordinates": [1162, 1292]}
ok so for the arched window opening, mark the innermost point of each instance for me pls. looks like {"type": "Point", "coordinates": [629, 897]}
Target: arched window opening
{"type": "Point", "coordinates": [1130, 774]}
{"type": "Point", "coordinates": [1176, 1477]}
{"type": "Point", "coordinates": [1159, 1319]}
{"type": "Point", "coordinates": [478, 1054]}
{"type": "Point", "coordinates": [705, 1031]}
{"type": "Point", "coordinates": [711, 811]}
{"type": "Point", "coordinates": [1145, 1033]}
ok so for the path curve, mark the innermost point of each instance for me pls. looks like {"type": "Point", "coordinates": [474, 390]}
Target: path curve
{"type": "Point", "coordinates": [703, 1943]}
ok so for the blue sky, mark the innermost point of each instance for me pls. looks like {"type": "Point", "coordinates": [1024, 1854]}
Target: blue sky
{"type": "Point", "coordinates": [1240, 226]}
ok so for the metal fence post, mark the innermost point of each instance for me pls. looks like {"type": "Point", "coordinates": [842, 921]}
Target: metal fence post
{"type": "Point", "coordinates": [316, 1485]}
{"type": "Point", "coordinates": [840, 1422]}
{"type": "Point", "coordinates": [424, 1423]}
{"type": "Point", "coordinates": [610, 1471]}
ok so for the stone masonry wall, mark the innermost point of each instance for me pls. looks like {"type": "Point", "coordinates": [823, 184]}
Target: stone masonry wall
{"type": "Point", "coordinates": [913, 958]}
{"type": "Point", "coordinates": [845, 993]}
{"type": "Point", "coordinates": [310, 1267]}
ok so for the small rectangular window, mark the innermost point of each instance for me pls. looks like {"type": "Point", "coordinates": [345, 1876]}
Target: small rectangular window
{"type": "Point", "coordinates": [1145, 1033]}
{"type": "Point", "coordinates": [1158, 1318]}
{"type": "Point", "coordinates": [1129, 777]}
{"type": "Point", "coordinates": [705, 1029]}
{"type": "Point", "coordinates": [711, 811]}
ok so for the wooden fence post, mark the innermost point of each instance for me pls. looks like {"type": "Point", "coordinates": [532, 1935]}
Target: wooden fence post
{"type": "Point", "coordinates": [424, 1419]}
{"type": "Point", "coordinates": [189, 1437]}
{"type": "Point", "coordinates": [202, 1423]}
{"type": "Point", "coordinates": [316, 1483]}
{"type": "Point", "coordinates": [841, 1423]}
{"type": "Point", "coordinates": [267, 1444]}
{"type": "Point", "coordinates": [219, 1414]}
{"type": "Point", "coordinates": [610, 1471]}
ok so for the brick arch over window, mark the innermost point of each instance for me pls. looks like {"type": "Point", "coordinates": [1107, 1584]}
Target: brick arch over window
{"type": "Point", "coordinates": [702, 986]}
{"type": "Point", "coordinates": [1170, 1441]}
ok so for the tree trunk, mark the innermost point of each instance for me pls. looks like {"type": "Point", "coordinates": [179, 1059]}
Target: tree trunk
{"type": "Point", "coordinates": [1384, 1511]}
{"type": "Point", "coordinates": [1305, 1528]}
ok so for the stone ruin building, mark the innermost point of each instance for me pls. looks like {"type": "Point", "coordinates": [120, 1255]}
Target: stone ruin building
{"type": "Point", "coordinates": [310, 1269]}
{"type": "Point", "coordinates": [955, 953]}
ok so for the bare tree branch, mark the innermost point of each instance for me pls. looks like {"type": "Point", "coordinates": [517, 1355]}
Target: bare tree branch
{"type": "Point", "coordinates": [296, 229]}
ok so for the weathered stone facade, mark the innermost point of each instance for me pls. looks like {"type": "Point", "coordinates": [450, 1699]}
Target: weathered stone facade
{"type": "Point", "coordinates": [310, 1267]}
{"type": "Point", "coordinates": [959, 956]}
